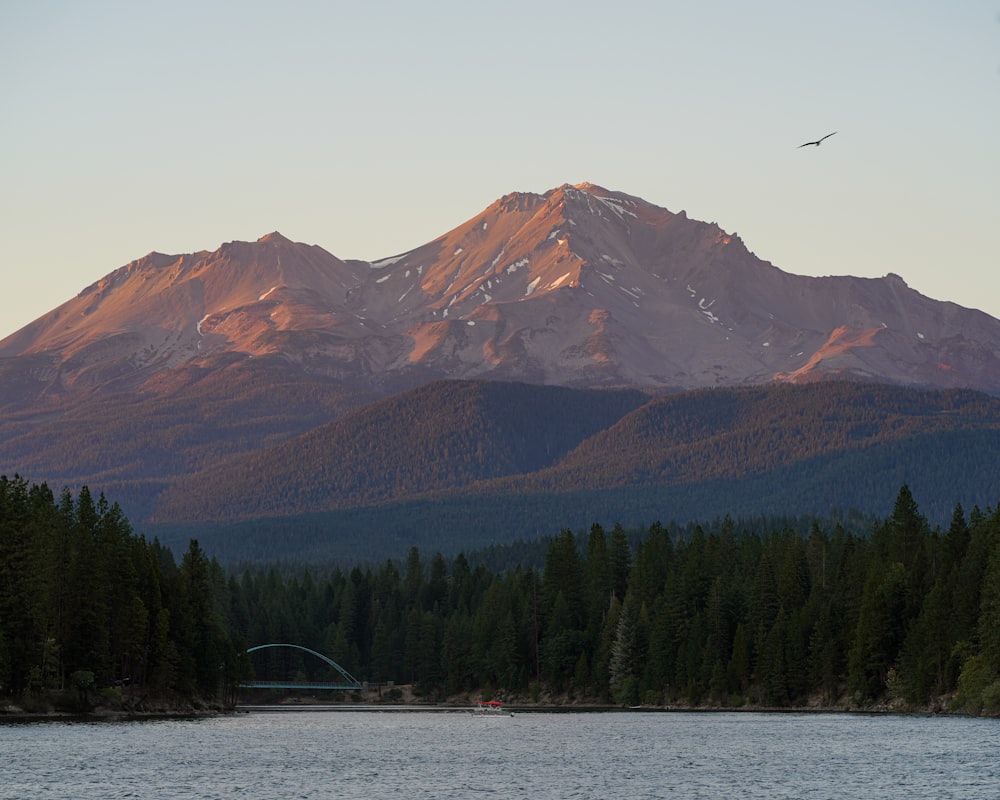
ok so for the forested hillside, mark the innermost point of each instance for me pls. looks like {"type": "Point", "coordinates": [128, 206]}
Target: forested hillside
{"type": "Point", "coordinates": [425, 463]}
{"type": "Point", "coordinates": [733, 433]}
{"type": "Point", "coordinates": [906, 614]}
{"type": "Point", "coordinates": [459, 466]}
{"type": "Point", "coordinates": [443, 435]}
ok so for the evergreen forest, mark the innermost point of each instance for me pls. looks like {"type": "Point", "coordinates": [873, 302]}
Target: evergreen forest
{"type": "Point", "coordinates": [92, 614]}
{"type": "Point", "coordinates": [903, 615]}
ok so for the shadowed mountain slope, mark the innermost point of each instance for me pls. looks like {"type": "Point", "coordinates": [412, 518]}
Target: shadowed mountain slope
{"type": "Point", "coordinates": [610, 453]}
{"type": "Point", "coordinates": [439, 436]}
{"type": "Point", "coordinates": [781, 452]}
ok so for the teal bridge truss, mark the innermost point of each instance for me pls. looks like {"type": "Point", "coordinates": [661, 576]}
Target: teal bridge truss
{"type": "Point", "coordinates": [346, 681]}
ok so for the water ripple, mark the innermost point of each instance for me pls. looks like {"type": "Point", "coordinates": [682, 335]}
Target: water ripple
{"type": "Point", "coordinates": [348, 755]}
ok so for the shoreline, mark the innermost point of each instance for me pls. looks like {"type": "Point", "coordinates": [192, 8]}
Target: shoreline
{"type": "Point", "coordinates": [104, 715]}
{"type": "Point", "coordinates": [404, 700]}
{"type": "Point", "coordinates": [450, 707]}
{"type": "Point", "coordinates": [115, 716]}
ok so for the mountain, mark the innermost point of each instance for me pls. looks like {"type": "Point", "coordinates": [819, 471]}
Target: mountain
{"type": "Point", "coordinates": [581, 286]}
{"type": "Point", "coordinates": [174, 370]}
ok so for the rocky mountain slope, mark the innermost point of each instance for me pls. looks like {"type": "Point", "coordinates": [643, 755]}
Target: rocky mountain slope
{"type": "Point", "coordinates": [581, 286]}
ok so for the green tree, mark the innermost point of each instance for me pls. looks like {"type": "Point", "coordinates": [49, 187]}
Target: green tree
{"type": "Point", "coordinates": [199, 630]}
{"type": "Point", "coordinates": [22, 627]}
{"type": "Point", "coordinates": [626, 657]}
{"type": "Point", "coordinates": [562, 576]}
{"type": "Point", "coordinates": [739, 670]}
{"type": "Point", "coordinates": [621, 561]}
{"type": "Point", "coordinates": [880, 631]}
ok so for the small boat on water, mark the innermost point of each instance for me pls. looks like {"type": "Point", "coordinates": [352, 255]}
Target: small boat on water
{"type": "Point", "coordinates": [490, 708]}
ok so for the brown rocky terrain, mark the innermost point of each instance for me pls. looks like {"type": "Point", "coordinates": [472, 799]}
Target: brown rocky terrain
{"type": "Point", "coordinates": [581, 286]}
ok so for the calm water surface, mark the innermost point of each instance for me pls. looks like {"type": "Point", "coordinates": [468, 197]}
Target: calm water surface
{"type": "Point", "coordinates": [459, 755]}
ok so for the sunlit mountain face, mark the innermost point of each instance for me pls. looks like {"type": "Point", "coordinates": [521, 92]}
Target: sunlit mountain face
{"type": "Point", "coordinates": [581, 286]}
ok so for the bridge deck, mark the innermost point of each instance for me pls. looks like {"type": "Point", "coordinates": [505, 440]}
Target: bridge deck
{"type": "Point", "coordinates": [291, 685]}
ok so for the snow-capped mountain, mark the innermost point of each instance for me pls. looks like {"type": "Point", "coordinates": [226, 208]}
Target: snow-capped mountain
{"type": "Point", "coordinates": [581, 286]}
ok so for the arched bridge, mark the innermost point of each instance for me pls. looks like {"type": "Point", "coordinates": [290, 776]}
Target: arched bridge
{"type": "Point", "coordinates": [296, 672]}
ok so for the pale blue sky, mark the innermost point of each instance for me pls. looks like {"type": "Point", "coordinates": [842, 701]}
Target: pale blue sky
{"type": "Point", "coordinates": [369, 128]}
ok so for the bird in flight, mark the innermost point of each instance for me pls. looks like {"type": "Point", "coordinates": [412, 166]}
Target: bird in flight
{"type": "Point", "coordinates": [806, 144]}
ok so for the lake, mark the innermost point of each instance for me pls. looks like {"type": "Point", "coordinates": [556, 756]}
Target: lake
{"type": "Point", "coordinates": [362, 754]}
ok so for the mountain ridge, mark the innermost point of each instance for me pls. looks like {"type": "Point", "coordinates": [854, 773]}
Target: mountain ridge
{"type": "Point", "coordinates": [824, 450]}
{"type": "Point", "coordinates": [580, 286]}
{"type": "Point", "coordinates": [482, 434]}
{"type": "Point", "coordinates": [394, 448]}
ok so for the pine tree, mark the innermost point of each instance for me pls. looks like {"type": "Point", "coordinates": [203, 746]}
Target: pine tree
{"type": "Point", "coordinates": [621, 561]}
{"type": "Point", "coordinates": [562, 577]}
{"type": "Point", "coordinates": [625, 666]}
{"type": "Point", "coordinates": [880, 631]}
{"type": "Point", "coordinates": [739, 671]}
{"type": "Point", "coordinates": [199, 626]}
{"type": "Point", "coordinates": [21, 635]}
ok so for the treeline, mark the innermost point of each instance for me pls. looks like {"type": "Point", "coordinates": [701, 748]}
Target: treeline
{"type": "Point", "coordinates": [906, 614]}
{"type": "Point", "coordinates": [91, 612]}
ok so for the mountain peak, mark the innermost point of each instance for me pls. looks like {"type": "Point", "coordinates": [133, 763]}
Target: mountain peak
{"type": "Point", "coordinates": [275, 238]}
{"type": "Point", "coordinates": [579, 286]}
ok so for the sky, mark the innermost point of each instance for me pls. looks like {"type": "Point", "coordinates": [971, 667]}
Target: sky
{"type": "Point", "coordinates": [372, 128]}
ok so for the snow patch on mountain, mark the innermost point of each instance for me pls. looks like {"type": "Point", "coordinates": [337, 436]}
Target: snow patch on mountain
{"type": "Point", "coordinates": [388, 262]}
{"type": "Point", "coordinates": [618, 206]}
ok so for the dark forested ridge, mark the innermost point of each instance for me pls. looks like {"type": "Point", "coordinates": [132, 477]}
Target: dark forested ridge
{"type": "Point", "coordinates": [903, 615]}
{"type": "Point", "coordinates": [734, 433]}
{"type": "Point", "coordinates": [459, 465]}
{"type": "Point", "coordinates": [442, 435]}
{"type": "Point", "coordinates": [211, 459]}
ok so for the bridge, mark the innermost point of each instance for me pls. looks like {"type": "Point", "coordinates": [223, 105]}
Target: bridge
{"type": "Point", "coordinates": [296, 672]}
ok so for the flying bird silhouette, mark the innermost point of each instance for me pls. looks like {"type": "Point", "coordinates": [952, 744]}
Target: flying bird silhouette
{"type": "Point", "coordinates": [806, 144]}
